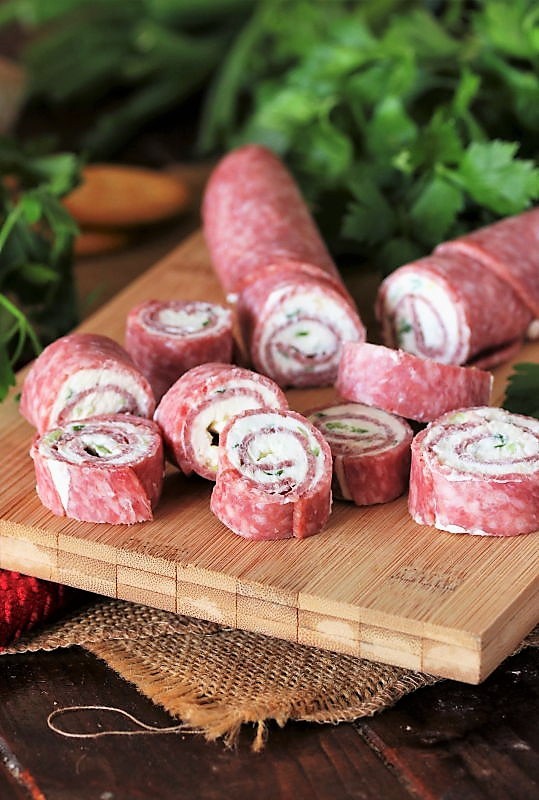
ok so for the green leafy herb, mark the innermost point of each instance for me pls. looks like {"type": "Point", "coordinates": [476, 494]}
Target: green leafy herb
{"type": "Point", "coordinates": [315, 451]}
{"type": "Point", "coordinates": [78, 427]}
{"type": "Point", "coordinates": [502, 441]}
{"type": "Point", "coordinates": [522, 395]}
{"type": "Point", "coordinates": [405, 126]}
{"type": "Point", "coordinates": [37, 299]}
{"type": "Point", "coordinates": [301, 333]}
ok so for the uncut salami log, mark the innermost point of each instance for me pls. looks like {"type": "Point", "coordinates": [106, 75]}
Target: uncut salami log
{"type": "Point", "coordinates": [510, 249]}
{"type": "Point", "coordinates": [82, 375]}
{"type": "Point", "coordinates": [477, 471]}
{"type": "Point", "coordinates": [404, 384]}
{"type": "Point", "coordinates": [370, 449]}
{"type": "Point", "coordinates": [274, 477]}
{"type": "Point", "coordinates": [450, 308]}
{"type": "Point", "coordinates": [109, 468]}
{"type": "Point", "coordinates": [265, 248]}
{"type": "Point", "coordinates": [194, 411]}
{"type": "Point", "coordinates": [165, 339]}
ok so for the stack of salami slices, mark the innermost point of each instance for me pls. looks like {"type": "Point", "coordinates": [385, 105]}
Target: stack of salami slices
{"type": "Point", "coordinates": [472, 301]}
{"type": "Point", "coordinates": [294, 310]}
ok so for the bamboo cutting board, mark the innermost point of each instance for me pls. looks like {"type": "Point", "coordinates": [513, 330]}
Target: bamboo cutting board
{"type": "Point", "coordinates": [373, 584]}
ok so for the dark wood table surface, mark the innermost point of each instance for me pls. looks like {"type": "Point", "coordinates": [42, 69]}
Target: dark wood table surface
{"type": "Point", "coordinates": [450, 740]}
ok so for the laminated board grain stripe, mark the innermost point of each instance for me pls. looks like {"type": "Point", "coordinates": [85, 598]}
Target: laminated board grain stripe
{"type": "Point", "coordinates": [373, 584]}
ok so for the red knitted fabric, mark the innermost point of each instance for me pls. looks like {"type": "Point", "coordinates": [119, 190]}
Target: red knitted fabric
{"type": "Point", "coordinates": [25, 602]}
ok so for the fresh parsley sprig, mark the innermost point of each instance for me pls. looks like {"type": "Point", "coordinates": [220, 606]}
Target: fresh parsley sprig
{"type": "Point", "coordinates": [37, 299]}
{"type": "Point", "coordinates": [522, 394]}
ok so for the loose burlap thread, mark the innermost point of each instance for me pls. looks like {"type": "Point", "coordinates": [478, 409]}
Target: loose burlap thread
{"type": "Point", "coordinates": [217, 679]}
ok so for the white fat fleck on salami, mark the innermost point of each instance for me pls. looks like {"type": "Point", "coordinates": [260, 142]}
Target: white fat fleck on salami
{"type": "Point", "coordinates": [304, 332]}
{"type": "Point", "coordinates": [421, 317]}
{"type": "Point", "coordinates": [533, 330]}
{"type": "Point", "coordinates": [59, 472]}
{"type": "Point", "coordinates": [486, 441]}
{"type": "Point", "coordinates": [90, 392]}
{"type": "Point", "coordinates": [272, 448]}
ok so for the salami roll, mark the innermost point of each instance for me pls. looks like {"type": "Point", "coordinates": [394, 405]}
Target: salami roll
{"type": "Point", "coordinates": [194, 411]}
{"type": "Point", "coordinates": [452, 309]}
{"type": "Point", "coordinates": [105, 469]}
{"type": "Point", "coordinates": [274, 477]}
{"type": "Point", "coordinates": [510, 249]}
{"type": "Point", "coordinates": [370, 449]}
{"type": "Point", "coordinates": [294, 324]}
{"type": "Point", "coordinates": [477, 471]}
{"type": "Point", "coordinates": [83, 375]}
{"type": "Point", "coordinates": [165, 339]}
{"type": "Point", "coordinates": [403, 384]}
{"type": "Point", "coordinates": [254, 217]}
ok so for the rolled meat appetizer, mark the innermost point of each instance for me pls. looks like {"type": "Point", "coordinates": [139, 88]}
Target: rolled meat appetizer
{"type": "Point", "coordinates": [268, 254]}
{"type": "Point", "coordinates": [105, 469]}
{"type": "Point", "coordinates": [254, 217]}
{"type": "Point", "coordinates": [403, 384]}
{"type": "Point", "coordinates": [82, 375]}
{"type": "Point", "coordinates": [477, 471]}
{"type": "Point", "coordinates": [194, 411]}
{"type": "Point", "coordinates": [370, 449]}
{"type": "Point", "coordinates": [452, 309]}
{"type": "Point", "coordinates": [294, 324]}
{"type": "Point", "coordinates": [165, 339]}
{"type": "Point", "coordinates": [274, 477]}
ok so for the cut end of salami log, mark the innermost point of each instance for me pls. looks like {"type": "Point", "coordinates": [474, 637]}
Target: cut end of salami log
{"type": "Point", "coordinates": [165, 339]}
{"type": "Point", "coordinates": [477, 471]}
{"type": "Point", "coordinates": [82, 375]}
{"type": "Point", "coordinates": [194, 411]}
{"type": "Point", "coordinates": [274, 478]}
{"type": "Point", "coordinates": [370, 449]}
{"type": "Point", "coordinates": [403, 384]}
{"type": "Point", "coordinates": [449, 307]}
{"type": "Point", "coordinates": [294, 320]}
{"type": "Point", "coordinates": [109, 468]}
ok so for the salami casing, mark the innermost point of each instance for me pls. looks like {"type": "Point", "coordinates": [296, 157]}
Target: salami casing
{"type": "Point", "coordinates": [166, 338]}
{"type": "Point", "coordinates": [452, 309]}
{"type": "Point", "coordinates": [274, 477]}
{"type": "Point", "coordinates": [477, 471]}
{"type": "Point", "coordinates": [370, 449]}
{"type": "Point", "coordinates": [194, 411]}
{"type": "Point", "coordinates": [255, 217]}
{"type": "Point", "coordinates": [107, 468]}
{"type": "Point", "coordinates": [404, 384]}
{"type": "Point", "coordinates": [83, 375]}
{"type": "Point", "coordinates": [294, 321]}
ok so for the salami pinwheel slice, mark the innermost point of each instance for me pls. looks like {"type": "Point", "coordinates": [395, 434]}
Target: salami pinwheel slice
{"type": "Point", "coordinates": [83, 375]}
{"type": "Point", "coordinates": [165, 339]}
{"type": "Point", "coordinates": [194, 411]}
{"type": "Point", "coordinates": [477, 471]}
{"type": "Point", "coordinates": [254, 216]}
{"type": "Point", "coordinates": [294, 323]}
{"type": "Point", "coordinates": [274, 477]}
{"type": "Point", "coordinates": [105, 469]}
{"type": "Point", "coordinates": [442, 307]}
{"type": "Point", "coordinates": [370, 449]}
{"type": "Point", "coordinates": [404, 384]}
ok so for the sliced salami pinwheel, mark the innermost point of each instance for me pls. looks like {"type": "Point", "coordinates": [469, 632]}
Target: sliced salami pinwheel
{"type": "Point", "coordinates": [403, 384]}
{"type": "Point", "coordinates": [108, 468]}
{"type": "Point", "coordinates": [449, 307]}
{"type": "Point", "coordinates": [254, 216]}
{"type": "Point", "coordinates": [82, 375]}
{"type": "Point", "coordinates": [165, 339]}
{"type": "Point", "coordinates": [477, 471]}
{"type": "Point", "coordinates": [294, 324]}
{"type": "Point", "coordinates": [370, 449]}
{"type": "Point", "coordinates": [194, 411]}
{"type": "Point", "coordinates": [274, 478]}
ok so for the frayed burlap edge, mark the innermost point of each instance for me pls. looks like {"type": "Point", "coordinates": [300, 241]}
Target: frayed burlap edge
{"type": "Point", "coordinates": [216, 680]}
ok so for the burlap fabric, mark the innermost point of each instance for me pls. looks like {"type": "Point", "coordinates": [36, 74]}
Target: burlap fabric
{"type": "Point", "coordinates": [216, 679]}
